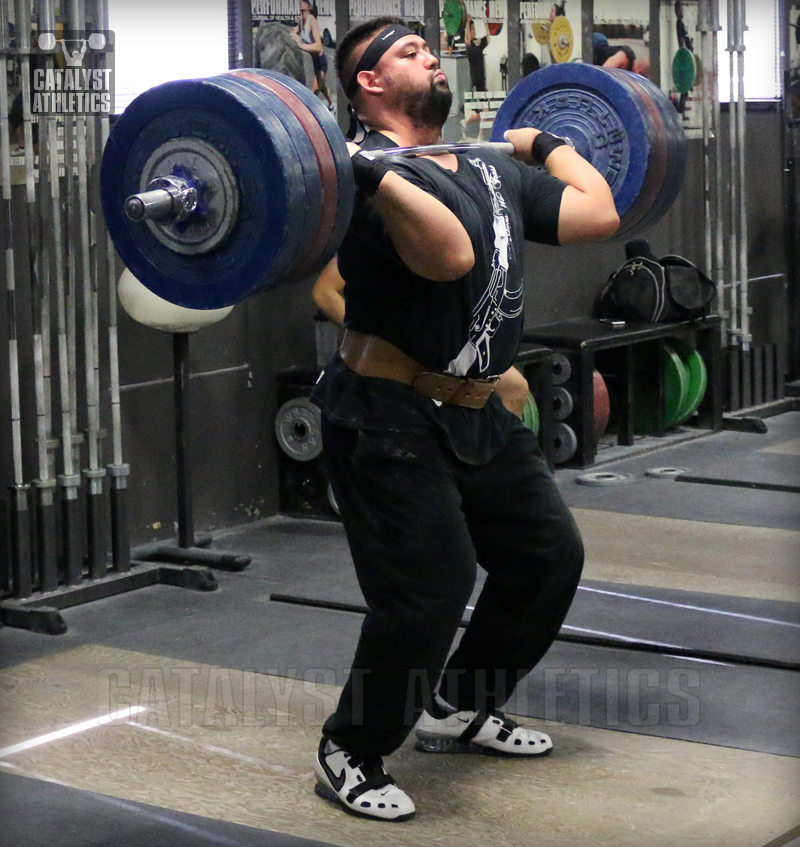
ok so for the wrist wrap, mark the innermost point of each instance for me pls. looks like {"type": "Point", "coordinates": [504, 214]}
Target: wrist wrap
{"type": "Point", "coordinates": [367, 172]}
{"type": "Point", "coordinates": [544, 144]}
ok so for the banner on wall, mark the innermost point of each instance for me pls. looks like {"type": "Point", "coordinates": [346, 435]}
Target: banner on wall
{"type": "Point", "coordinates": [297, 38]}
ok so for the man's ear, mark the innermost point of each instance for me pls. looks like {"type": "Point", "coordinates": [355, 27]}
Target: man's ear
{"type": "Point", "coordinates": [368, 80]}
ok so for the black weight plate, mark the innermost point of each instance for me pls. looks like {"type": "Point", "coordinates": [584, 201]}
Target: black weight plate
{"type": "Point", "coordinates": [565, 443]}
{"type": "Point", "coordinates": [341, 157]}
{"type": "Point", "coordinates": [562, 369]}
{"type": "Point", "coordinates": [261, 101]}
{"type": "Point", "coordinates": [268, 177]}
{"type": "Point", "coordinates": [562, 403]}
{"type": "Point", "coordinates": [589, 105]}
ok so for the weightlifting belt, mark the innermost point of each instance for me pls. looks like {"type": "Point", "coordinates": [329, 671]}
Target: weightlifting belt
{"type": "Point", "coordinates": [369, 355]}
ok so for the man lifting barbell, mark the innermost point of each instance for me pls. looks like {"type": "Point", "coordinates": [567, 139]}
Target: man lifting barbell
{"type": "Point", "coordinates": [429, 470]}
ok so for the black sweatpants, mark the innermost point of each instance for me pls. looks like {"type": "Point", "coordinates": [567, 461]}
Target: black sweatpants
{"type": "Point", "coordinates": [417, 521]}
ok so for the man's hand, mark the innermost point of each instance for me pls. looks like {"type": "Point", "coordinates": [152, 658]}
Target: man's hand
{"type": "Point", "coordinates": [522, 139]}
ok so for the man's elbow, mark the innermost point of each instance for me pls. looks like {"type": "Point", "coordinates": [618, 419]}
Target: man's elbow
{"type": "Point", "coordinates": [607, 223]}
{"type": "Point", "coordinates": [455, 265]}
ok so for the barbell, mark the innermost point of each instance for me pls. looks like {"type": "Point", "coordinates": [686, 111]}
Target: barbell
{"type": "Point", "coordinates": [213, 189]}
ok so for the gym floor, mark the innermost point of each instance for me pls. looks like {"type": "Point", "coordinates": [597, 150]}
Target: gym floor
{"type": "Point", "coordinates": [172, 717]}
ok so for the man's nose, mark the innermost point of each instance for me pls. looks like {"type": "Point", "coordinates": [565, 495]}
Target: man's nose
{"type": "Point", "coordinates": [432, 61]}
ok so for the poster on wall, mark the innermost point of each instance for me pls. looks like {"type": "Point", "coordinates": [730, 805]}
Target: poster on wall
{"type": "Point", "coordinates": [297, 38]}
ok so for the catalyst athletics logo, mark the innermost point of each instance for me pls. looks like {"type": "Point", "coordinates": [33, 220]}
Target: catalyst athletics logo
{"type": "Point", "coordinates": [73, 84]}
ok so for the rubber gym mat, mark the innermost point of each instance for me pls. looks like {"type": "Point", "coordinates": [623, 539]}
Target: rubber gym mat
{"type": "Point", "coordinates": [252, 764]}
{"type": "Point", "coordinates": [70, 817]}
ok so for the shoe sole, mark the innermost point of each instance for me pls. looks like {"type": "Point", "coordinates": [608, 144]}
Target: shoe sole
{"type": "Point", "coordinates": [451, 745]}
{"type": "Point", "coordinates": [328, 793]}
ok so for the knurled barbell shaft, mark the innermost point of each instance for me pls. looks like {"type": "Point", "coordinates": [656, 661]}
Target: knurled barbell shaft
{"type": "Point", "coordinates": [440, 149]}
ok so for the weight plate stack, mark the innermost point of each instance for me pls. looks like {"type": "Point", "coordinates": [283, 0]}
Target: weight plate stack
{"type": "Point", "coordinates": [698, 378]}
{"type": "Point", "coordinates": [617, 122]}
{"type": "Point", "coordinates": [267, 172]}
{"type": "Point", "coordinates": [341, 197]}
{"type": "Point", "coordinates": [675, 144]}
{"type": "Point", "coordinates": [273, 176]}
{"type": "Point", "coordinates": [645, 400]}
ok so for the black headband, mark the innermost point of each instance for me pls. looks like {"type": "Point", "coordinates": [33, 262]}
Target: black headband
{"type": "Point", "coordinates": [372, 55]}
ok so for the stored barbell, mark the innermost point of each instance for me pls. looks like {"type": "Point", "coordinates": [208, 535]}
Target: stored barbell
{"type": "Point", "coordinates": [213, 189]}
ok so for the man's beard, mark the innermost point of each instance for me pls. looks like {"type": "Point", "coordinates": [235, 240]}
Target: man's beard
{"type": "Point", "coordinates": [429, 108]}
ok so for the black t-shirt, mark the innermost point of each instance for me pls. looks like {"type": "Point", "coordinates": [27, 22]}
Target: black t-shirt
{"type": "Point", "coordinates": [470, 326]}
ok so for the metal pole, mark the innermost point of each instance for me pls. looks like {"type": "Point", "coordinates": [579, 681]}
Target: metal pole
{"type": "Point", "coordinates": [719, 252]}
{"type": "Point", "coordinates": [741, 115]}
{"type": "Point", "coordinates": [94, 473]}
{"type": "Point", "coordinates": [21, 564]}
{"type": "Point", "coordinates": [703, 25]}
{"type": "Point", "coordinates": [118, 471]}
{"type": "Point", "coordinates": [180, 358]}
{"type": "Point", "coordinates": [68, 480]}
{"type": "Point", "coordinates": [734, 329]}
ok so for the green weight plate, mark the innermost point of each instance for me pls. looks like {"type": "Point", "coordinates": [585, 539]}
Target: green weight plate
{"type": "Point", "coordinates": [676, 386]}
{"type": "Point", "coordinates": [530, 414]}
{"type": "Point", "coordinates": [698, 377]}
{"type": "Point", "coordinates": [451, 15]}
{"type": "Point", "coordinates": [684, 70]}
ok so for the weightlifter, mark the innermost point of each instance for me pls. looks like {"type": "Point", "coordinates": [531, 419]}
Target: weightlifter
{"type": "Point", "coordinates": [430, 471]}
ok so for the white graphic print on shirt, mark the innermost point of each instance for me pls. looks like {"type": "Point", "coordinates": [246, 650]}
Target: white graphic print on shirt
{"type": "Point", "coordinates": [498, 302]}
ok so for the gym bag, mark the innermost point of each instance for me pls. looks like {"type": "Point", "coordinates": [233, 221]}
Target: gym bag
{"type": "Point", "coordinates": [650, 290]}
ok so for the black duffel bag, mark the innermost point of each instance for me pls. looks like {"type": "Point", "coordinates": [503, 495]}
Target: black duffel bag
{"type": "Point", "coordinates": [650, 290]}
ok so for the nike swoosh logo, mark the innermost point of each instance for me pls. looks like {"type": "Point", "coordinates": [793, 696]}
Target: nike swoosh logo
{"type": "Point", "coordinates": [337, 779]}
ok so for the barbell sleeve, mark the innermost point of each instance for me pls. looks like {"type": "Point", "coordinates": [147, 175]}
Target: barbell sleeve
{"type": "Point", "coordinates": [149, 205]}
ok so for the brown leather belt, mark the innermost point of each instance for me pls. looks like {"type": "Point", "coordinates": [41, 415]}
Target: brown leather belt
{"type": "Point", "coordinates": [369, 355]}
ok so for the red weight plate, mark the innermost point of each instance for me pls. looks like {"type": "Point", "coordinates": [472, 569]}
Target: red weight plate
{"type": "Point", "coordinates": [325, 160]}
{"type": "Point", "coordinates": [602, 406]}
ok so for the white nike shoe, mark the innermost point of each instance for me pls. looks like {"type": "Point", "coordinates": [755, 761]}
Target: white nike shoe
{"type": "Point", "coordinates": [360, 785]}
{"type": "Point", "coordinates": [490, 733]}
